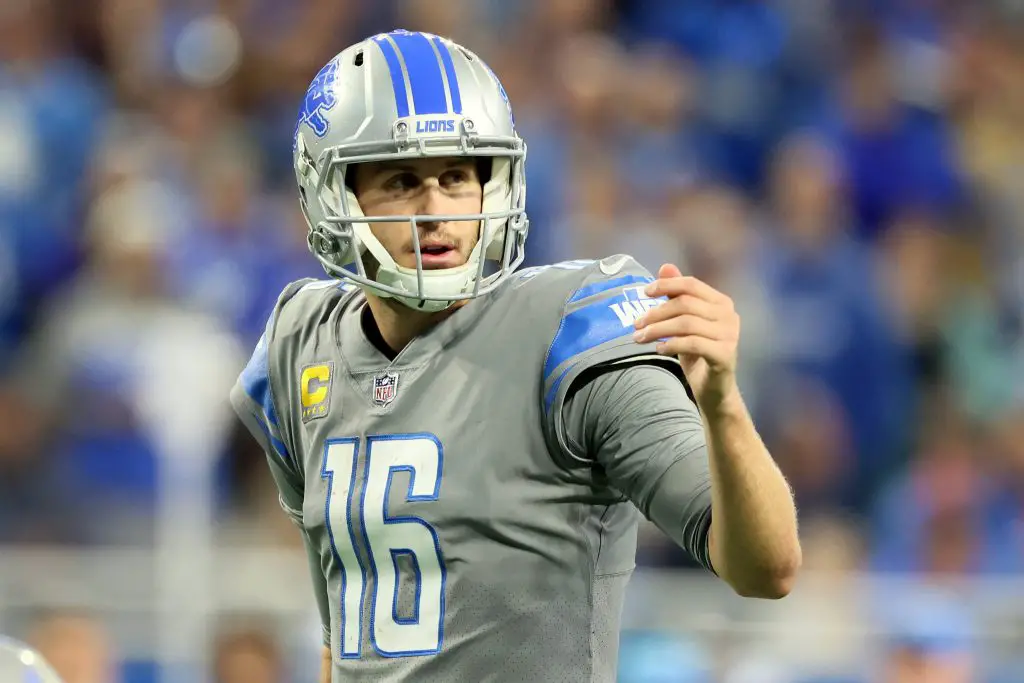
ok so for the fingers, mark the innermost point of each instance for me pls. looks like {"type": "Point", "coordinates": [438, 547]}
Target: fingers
{"type": "Point", "coordinates": [683, 305]}
{"type": "Point", "coordinates": [708, 349]}
{"type": "Point", "coordinates": [696, 320]}
{"type": "Point", "coordinates": [678, 286]}
{"type": "Point", "coordinates": [680, 326]}
{"type": "Point", "coordinates": [669, 270]}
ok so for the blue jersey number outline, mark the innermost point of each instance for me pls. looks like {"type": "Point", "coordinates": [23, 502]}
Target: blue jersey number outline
{"type": "Point", "coordinates": [385, 537]}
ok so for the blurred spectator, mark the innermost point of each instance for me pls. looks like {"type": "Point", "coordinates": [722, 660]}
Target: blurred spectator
{"type": "Point", "coordinates": [594, 222]}
{"type": "Point", "coordinates": [898, 156]}
{"type": "Point", "coordinates": [90, 364]}
{"type": "Point", "coordinates": [242, 248]}
{"type": "Point", "coordinates": [590, 70]}
{"type": "Point", "coordinates": [661, 140]}
{"type": "Point", "coordinates": [917, 274]}
{"type": "Point", "coordinates": [554, 22]}
{"type": "Point", "coordinates": [77, 646]}
{"type": "Point", "coordinates": [454, 18]}
{"type": "Point", "coordinates": [813, 446]}
{"type": "Point", "coordinates": [944, 515]}
{"type": "Point", "coordinates": [51, 108]}
{"type": "Point", "coordinates": [247, 656]}
{"type": "Point", "coordinates": [737, 60]}
{"type": "Point", "coordinates": [830, 314]}
{"type": "Point", "coordinates": [828, 609]}
{"type": "Point", "coordinates": [720, 244]}
{"type": "Point", "coordinates": [931, 641]}
{"type": "Point", "coordinates": [27, 483]}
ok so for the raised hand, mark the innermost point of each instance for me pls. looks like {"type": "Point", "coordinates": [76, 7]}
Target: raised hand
{"type": "Point", "coordinates": [699, 325]}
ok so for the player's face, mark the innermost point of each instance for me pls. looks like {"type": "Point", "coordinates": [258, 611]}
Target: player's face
{"type": "Point", "coordinates": [424, 187]}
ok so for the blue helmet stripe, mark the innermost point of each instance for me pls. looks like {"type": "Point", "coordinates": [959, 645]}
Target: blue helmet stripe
{"type": "Point", "coordinates": [397, 79]}
{"type": "Point", "coordinates": [424, 72]}
{"type": "Point", "coordinates": [449, 72]}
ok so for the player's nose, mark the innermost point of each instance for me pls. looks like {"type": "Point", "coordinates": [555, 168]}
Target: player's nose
{"type": "Point", "coordinates": [434, 203]}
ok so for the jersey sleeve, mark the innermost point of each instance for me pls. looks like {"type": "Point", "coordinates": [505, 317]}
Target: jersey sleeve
{"type": "Point", "coordinates": [253, 400]}
{"type": "Point", "coordinates": [595, 330]}
{"type": "Point", "coordinates": [642, 428]}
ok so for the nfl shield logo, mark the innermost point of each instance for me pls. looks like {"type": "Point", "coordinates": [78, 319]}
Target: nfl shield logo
{"type": "Point", "coordinates": [384, 388]}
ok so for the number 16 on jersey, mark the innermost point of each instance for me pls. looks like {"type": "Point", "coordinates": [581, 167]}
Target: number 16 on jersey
{"type": "Point", "coordinates": [352, 510]}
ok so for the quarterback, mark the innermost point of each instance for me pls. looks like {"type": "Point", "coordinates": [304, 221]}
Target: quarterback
{"type": "Point", "coordinates": [466, 447]}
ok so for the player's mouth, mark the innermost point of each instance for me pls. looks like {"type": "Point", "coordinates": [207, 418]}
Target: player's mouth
{"type": "Point", "coordinates": [439, 255]}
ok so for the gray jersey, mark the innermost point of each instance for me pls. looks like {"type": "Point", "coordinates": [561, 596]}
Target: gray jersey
{"type": "Point", "coordinates": [471, 507]}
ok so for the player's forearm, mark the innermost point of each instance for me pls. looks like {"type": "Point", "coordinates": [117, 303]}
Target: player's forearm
{"type": "Point", "coordinates": [325, 665]}
{"type": "Point", "coordinates": [754, 542]}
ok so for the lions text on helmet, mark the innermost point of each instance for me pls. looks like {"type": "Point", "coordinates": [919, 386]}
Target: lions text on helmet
{"type": "Point", "coordinates": [432, 115]}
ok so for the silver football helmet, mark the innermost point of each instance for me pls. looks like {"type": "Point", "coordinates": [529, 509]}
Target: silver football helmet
{"type": "Point", "coordinates": [403, 95]}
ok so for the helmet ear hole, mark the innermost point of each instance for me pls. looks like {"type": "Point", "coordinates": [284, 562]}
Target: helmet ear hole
{"type": "Point", "coordinates": [484, 169]}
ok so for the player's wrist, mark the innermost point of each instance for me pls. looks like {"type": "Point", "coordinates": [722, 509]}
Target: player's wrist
{"type": "Point", "coordinates": [723, 406]}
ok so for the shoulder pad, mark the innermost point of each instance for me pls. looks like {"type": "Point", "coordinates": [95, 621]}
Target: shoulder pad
{"type": "Point", "coordinates": [303, 302]}
{"type": "Point", "coordinates": [597, 322]}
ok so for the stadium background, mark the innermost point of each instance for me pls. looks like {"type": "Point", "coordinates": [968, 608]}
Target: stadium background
{"type": "Point", "coordinates": [850, 171]}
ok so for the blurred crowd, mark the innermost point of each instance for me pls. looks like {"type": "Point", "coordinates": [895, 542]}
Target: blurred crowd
{"type": "Point", "coordinates": [851, 172]}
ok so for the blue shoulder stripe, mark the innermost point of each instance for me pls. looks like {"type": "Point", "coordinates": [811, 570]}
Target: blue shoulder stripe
{"type": "Point", "coordinates": [255, 380]}
{"type": "Point", "coordinates": [592, 325]}
{"type": "Point", "coordinates": [282, 450]}
{"type": "Point", "coordinates": [582, 330]}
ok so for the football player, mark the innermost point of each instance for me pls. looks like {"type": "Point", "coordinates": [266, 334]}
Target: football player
{"type": "Point", "coordinates": [467, 448]}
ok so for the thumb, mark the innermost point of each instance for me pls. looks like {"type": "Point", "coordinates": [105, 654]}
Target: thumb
{"type": "Point", "coordinates": [669, 270]}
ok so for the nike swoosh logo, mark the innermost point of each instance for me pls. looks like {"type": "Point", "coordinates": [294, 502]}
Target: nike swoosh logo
{"type": "Point", "coordinates": [612, 266]}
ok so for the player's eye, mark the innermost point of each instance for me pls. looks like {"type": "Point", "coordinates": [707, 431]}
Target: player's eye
{"type": "Point", "coordinates": [402, 182]}
{"type": "Point", "coordinates": [454, 177]}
